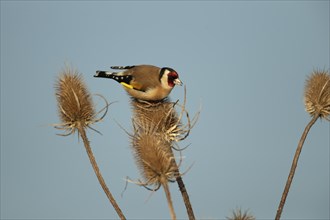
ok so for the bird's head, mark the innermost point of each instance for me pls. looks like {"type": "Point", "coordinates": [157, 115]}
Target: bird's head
{"type": "Point", "coordinates": [169, 77]}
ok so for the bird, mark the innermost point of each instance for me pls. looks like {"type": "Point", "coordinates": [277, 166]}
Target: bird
{"type": "Point", "coordinates": [144, 82]}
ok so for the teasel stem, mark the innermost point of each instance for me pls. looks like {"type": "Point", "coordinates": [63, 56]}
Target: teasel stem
{"type": "Point", "coordinates": [168, 197]}
{"type": "Point", "coordinates": [97, 171]}
{"type": "Point", "coordinates": [294, 165]}
{"type": "Point", "coordinates": [185, 197]}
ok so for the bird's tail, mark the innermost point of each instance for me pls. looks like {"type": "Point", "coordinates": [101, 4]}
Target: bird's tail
{"type": "Point", "coordinates": [118, 76]}
{"type": "Point", "coordinates": [104, 74]}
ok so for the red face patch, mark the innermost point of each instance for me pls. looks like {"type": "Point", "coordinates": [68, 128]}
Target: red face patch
{"type": "Point", "coordinates": [171, 77]}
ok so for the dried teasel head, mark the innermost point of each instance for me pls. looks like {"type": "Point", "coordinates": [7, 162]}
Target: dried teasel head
{"type": "Point", "coordinates": [153, 155]}
{"type": "Point", "coordinates": [75, 105]}
{"type": "Point", "coordinates": [238, 214]}
{"type": "Point", "coordinates": [161, 114]}
{"type": "Point", "coordinates": [164, 117]}
{"type": "Point", "coordinates": [317, 94]}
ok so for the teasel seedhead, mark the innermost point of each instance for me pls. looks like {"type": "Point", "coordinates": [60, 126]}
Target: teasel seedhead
{"type": "Point", "coordinates": [238, 214]}
{"type": "Point", "coordinates": [153, 155]}
{"type": "Point", "coordinates": [317, 94]}
{"type": "Point", "coordinates": [164, 117]}
{"type": "Point", "coordinates": [161, 115]}
{"type": "Point", "coordinates": [75, 105]}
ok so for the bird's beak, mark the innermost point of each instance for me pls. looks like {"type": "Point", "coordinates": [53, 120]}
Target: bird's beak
{"type": "Point", "coordinates": [177, 81]}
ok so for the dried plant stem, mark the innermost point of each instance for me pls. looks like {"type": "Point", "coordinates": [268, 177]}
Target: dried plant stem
{"type": "Point", "coordinates": [169, 199]}
{"type": "Point", "coordinates": [184, 194]}
{"type": "Point", "coordinates": [185, 197]}
{"type": "Point", "coordinates": [294, 166]}
{"type": "Point", "coordinates": [98, 174]}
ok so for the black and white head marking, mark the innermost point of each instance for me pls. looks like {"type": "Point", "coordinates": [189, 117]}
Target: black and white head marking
{"type": "Point", "coordinates": [169, 77]}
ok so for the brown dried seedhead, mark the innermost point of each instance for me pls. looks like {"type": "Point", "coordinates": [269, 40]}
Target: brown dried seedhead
{"type": "Point", "coordinates": [157, 128]}
{"type": "Point", "coordinates": [164, 118]}
{"type": "Point", "coordinates": [238, 214]}
{"type": "Point", "coordinates": [74, 102]}
{"type": "Point", "coordinates": [162, 114]}
{"type": "Point", "coordinates": [153, 156]}
{"type": "Point", "coordinates": [317, 94]}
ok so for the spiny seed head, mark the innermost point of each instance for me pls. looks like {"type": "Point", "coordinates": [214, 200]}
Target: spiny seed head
{"type": "Point", "coordinates": [161, 114]}
{"type": "Point", "coordinates": [164, 118]}
{"type": "Point", "coordinates": [153, 155]}
{"type": "Point", "coordinates": [157, 127]}
{"type": "Point", "coordinates": [317, 94]}
{"type": "Point", "coordinates": [74, 101]}
{"type": "Point", "coordinates": [239, 215]}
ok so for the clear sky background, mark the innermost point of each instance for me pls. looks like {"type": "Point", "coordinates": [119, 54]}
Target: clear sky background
{"type": "Point", "coordinates": [245, 62]}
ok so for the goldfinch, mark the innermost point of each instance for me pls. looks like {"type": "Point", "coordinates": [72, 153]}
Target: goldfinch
{"type": "Point", "coordinates": [144, 82]}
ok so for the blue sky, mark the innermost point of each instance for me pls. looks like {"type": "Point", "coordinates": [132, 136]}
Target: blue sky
{"type": "Point", "coordinates": [245, 62]}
